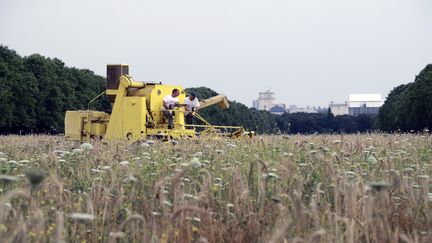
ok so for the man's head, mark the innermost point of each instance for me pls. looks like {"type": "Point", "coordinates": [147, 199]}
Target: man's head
{"type": "Point", "coordinates": [192, 96]}
{"type": "Point", "coordinates": [175, 93]}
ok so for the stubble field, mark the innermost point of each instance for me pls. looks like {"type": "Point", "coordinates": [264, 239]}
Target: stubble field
{"type": "Point", "coordinates": [317, 188]}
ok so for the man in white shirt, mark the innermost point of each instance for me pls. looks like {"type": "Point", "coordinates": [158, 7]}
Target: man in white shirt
{"type": "Point", "coordinates": [192, 106]}
{"type": "Point", "coordinates": [169, 102]}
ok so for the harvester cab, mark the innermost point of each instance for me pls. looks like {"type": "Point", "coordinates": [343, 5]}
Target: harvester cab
{"type": "Point", "coordinates": [137, 113]}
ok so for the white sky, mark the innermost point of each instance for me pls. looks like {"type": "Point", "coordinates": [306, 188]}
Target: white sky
{"type": "Point", "coordinates": [309, 52]}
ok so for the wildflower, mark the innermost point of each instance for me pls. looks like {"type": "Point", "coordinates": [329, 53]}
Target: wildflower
{"type": "Point", "coordinates": [272, 175]}
{"type": "Point", "coordinates": [156, 213]}
{"type": "Point", "coordinates": [196, 219]}
{"type": "Point", "coordinates": [96, 170]}
{"type": "Point", "coordinates": [188, 195]}
{"type": "Point", "coordinates": [77, 151]}
{"type": "Point", "coordinates": [371, 159]}
{"type": "Point", "coordinates": [115, 235]}
{"type": "Point", "coordinates": [218, 151]}
{"type": "Point", "coordinates": [230, 205]}
{"type": "Point", "coordinates": [24, 161]}
{"type": "Point", "coordinates": [86, 146]}
{"type": "Point", "coordinates": [130, 178]}
{"type": "Point", "coordinates": [336, 141]}
{"type": "Point", "coordinates": [82, 216]}
{"type": "Point", "coordinates": [12, 162]}
{"type": "Point", "coordinates": [409, 169]}
{"type": "Point", "coordinates": [350, 173]}
{"type": "Point", "coordinates": [195, 162]}
{"type": "Point", "coordinates": [169, 204]}
{"type": "Point", "coordinates": [124, 163]}
{"type": "Point", "coordinates": [197, 154]}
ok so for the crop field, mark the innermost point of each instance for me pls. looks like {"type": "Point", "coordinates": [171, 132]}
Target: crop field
{"type": "Point", "coordinates": [316, 188]}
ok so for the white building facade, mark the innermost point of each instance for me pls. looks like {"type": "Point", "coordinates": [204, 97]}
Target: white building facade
{"type": "Point", "coordinates": [364, 104]}
{"type": "Point", "coordinates": [265, 101]}
{"type": "Point", "coordinates": [339, 109]}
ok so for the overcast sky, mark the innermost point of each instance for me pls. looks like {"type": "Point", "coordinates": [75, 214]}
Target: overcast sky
{"type": "Point", "coordinates": [309, 52]}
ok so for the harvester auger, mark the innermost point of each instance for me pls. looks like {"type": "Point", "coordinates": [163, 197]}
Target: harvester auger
{"type": "Point", "coordinates": [137, 113]}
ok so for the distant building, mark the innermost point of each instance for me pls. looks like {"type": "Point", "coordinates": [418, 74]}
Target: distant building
{"type": "Point", "coordinates": [265, 101]}
{"type": "Point", "coordinates": [364, 104]}
{"type": "Point", "coordinates": [322, 109]}
{"type": "Point", "coordinates": [278, 109]}
{"type": "Point", "coordinates": [307, 109]}
{"type": "Point", "coordinates": [339, 109]}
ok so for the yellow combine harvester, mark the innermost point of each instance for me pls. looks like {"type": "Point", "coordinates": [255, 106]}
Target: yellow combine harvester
{"type": "Point", "coordinates": [137, 112]}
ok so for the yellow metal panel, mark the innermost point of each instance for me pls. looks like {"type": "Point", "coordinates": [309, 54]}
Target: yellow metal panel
{"type": "Point", "coordinates": [76, 124]}
{"type": "Point", "coordinates": [98, 129]}
{"type": "Point", "coordinates": [134, 118]}
{"type": "Point", "coordinates": [73, 125]}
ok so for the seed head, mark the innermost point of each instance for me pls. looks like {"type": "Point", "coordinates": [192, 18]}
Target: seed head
{"type": "Point", "coordinates": [379, 186]}
{"type": "Point", "coordinates": [8, 179]}
{"type": "Point", "coordinates": [35, 175]}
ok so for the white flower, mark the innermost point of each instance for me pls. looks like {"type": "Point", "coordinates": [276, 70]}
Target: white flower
{"type": "Point", "coordinates": [86, 146]}
{"type": "Point", "coordinates": [77, 151]}
{"type": "Point", "coordinates": [197, 154]}
{"type": "Point", "coordinates": [24, 161]}
{"type": "Point", "coordinates": [124, 163]}
{"type": "Point", "coordinates": [218, 151]}
{"type": "Point", "coordinates": [130, 178]}
{"type": "Point", "coordinates": [169, 204]}
{"type": "Point", "coordinates": [82, 216]}
{"type": "Point", "coordinates": [96, 170]}
{"type": "Point", "coordinates": [272, 175]}
{"type": "Point", "coordinates": [195, 162]}
{"type": "Point", "coordinates": [350, 173]}
{"type": "Point", "coordinates": [371, 159]}
{"type": "Point", "coordinates": [196, 219]}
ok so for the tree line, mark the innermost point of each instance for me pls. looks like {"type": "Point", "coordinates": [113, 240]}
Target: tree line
{"type": "Point", "coordinates": [36, 91]}
{"type": "Point", "coordinates": [408, 107]}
